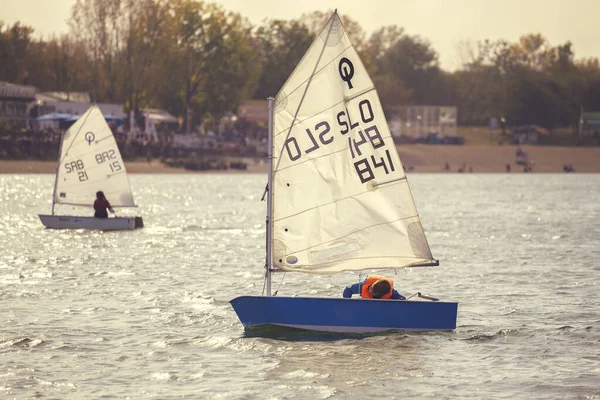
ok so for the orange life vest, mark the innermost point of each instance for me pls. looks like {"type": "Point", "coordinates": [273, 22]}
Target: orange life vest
{"type": "Point", "coordinates": [371, 279]}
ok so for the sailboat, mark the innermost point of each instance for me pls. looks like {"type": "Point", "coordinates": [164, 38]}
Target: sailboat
{"type": "Point", "coordinates": [89, 161]}
{"type": "Point", "coordinates": [338, 199]}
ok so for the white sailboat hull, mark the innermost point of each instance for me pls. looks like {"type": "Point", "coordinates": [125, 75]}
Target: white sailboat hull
{"type": "Point", "coordinates": [90, 163]}
{"type": "Point", "coordinates": [102, 224]}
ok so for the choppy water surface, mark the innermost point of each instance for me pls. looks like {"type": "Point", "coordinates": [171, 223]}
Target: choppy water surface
{"type": "Point", "coordinates": [145, 314]}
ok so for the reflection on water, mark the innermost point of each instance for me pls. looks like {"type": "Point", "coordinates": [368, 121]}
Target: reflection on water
{"type": "Point", "coordinates": [146, 313]}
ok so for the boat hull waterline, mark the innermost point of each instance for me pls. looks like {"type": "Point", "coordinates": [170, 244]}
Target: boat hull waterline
{"type": "Point", "coordinates": [345, 315]}
{"type": "Point", "coordinates": [102, 224]}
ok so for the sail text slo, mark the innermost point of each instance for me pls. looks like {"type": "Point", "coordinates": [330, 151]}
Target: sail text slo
{"type": "Point", "coordinates": [366, 166]}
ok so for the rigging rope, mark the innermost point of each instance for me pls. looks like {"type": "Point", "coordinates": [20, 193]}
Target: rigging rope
{"type": "Point", "coordinates": [284, 274]}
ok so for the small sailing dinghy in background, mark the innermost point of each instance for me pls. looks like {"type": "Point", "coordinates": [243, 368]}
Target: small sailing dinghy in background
{"type": "Point", "coordinates": [89, 161]}
{"type": "Point", "coordinates": [338, 199]}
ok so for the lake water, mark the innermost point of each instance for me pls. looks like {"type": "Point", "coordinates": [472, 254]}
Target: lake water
{"type": "Point", "coordinates": [145, 314]}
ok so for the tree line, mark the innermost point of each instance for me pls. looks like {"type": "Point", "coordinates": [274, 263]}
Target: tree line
{"type": "Point", "coordinates": [199, 61]}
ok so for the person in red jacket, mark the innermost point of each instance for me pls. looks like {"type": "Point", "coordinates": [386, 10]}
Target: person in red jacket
{"type": "Point", "coordinates": [101, 205]}
{"type": "Point", "coordinates": [374, 287]}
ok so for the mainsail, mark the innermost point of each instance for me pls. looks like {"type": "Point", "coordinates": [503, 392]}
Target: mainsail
{"type": "Point", "coordinates": [90, 161]}
{"type": "Point", "coordinates": [341, 200]}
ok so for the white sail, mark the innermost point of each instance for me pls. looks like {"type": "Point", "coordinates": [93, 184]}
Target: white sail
{"type": "Point", "coordinates": [341, 200]}
{"type": "Point", "coordinates": [90, 161]}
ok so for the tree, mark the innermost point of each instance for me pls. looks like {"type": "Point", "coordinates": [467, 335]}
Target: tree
{"type": "Point", "coordinates": [146, 42]}
{"type": "Point", "coordinates": [233, 68]}
{"type": "Point", "coordinates": [282, 45]}
{"type": "Point", "coordinates": [378, 45]}
{"type": "Point", "coordinates": [15, 44]}
{"type": "Point", "coordinates": [590, 95]}
{"type": "Point", "coordinates": [100, 24]}
{"type": "Point", "coordinates": [59, 64]}
{"type": "Point", "coordinates": [212, 50]}
{"type": "Point", "coordinates": [413, 61]}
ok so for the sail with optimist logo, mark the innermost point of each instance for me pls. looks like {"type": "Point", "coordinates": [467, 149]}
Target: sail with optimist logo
{"type": "Point", "coordinates": [341, 199]}
{"type": "Point", "coordinates": [90, 161]}
{"type": "Point", "coordinates": [338, 199]}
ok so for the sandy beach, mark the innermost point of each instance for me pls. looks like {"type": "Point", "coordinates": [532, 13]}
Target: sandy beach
{"type": "Point", "coordinates": [420, 158]}
{"type": "Point", "coordinates": [488, 159]}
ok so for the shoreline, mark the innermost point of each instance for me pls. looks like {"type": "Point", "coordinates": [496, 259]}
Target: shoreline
{"type": "Point", "coordinates": [133, 167]}
{"type": "Point", "coordinates": [415, 158]}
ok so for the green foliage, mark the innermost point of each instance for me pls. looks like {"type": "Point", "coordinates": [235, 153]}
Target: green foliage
{"type": "Point", "coordinates": [212, 63]}
{"type": "Point", "coordinates": [526, 82]}
{"type": "Point", "coordinates": [15, 44]}
{"type": "Point", "coordinates": [282, 45]}
{"type": "Point", "coordinates": [200, 61]}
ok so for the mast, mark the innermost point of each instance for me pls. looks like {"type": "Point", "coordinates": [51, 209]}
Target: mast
{"type": "Point", "coordinates": [62, 134]}
{"type": "Point", "coordinates": [269, 263]}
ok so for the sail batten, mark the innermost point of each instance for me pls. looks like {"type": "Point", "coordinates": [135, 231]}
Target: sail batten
{"type": "Point", "coordinates": [341, 200]}
{"type": "Point", "coordinates": [353, 196]}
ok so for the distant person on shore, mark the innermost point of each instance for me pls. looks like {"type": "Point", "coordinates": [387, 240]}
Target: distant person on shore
{"type": "Point", "coordinates": [374, 287]}
{"type": "Point", "coordinates": [101, 205]}
{"type": "Point", "coordinates": [447, 166]}
{"type": "Point", "coordinates": [507, 167]}
{"type": "Point", "coordinates": [529, 166]}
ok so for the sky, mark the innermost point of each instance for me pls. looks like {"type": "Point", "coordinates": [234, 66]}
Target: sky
{"type": "Point", "coordinates": [449, 25]}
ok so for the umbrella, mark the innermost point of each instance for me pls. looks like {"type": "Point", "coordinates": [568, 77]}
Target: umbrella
{"type": "Point", "coordinates": [108, 118]}
{"type": "Point", "coordinates": [73, 118]}
{"type": "Point", "coordinates": [54, 117]}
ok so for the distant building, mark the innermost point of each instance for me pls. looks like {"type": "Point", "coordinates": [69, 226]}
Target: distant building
{"type": "Point", "coordinates": [75, 97]}
{"type": "Point", "coordinates": [49, 102]}
{"type": "Point", "coordinates": [15, 103]}
{"type": "Point", "coordinates": [590, 122]}
{"type": "Point", "coordinates": [420, 121]}
{"type": "Point", "coordinates": [528, 134]}
{"type": "Point", "coordinates": [158, 124]}
{"type": "Point", "coordinates": [159, 116]}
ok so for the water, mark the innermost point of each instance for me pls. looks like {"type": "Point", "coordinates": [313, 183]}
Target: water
{"type": "Point", "coordinates": [145, 314]}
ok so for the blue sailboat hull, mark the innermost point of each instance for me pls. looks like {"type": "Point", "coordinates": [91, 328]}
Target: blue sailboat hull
{"type": "Point", "coordinates": [345, 315]}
